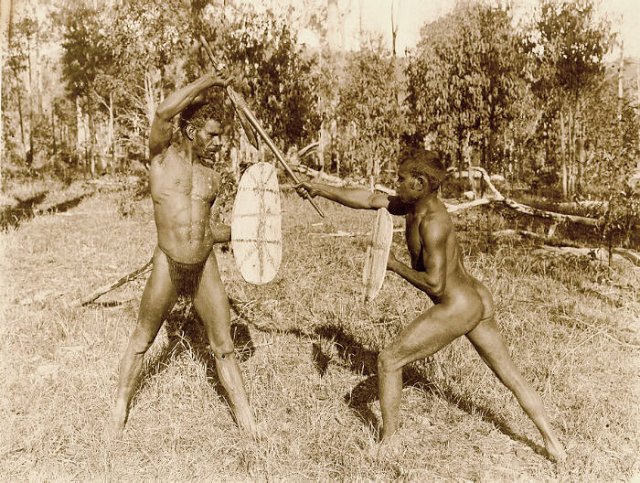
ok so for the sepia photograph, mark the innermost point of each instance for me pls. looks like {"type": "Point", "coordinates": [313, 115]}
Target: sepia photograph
{"type": "Point", "coordinates": [320, 240]}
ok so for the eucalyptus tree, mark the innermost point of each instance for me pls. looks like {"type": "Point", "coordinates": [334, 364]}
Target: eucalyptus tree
{"type": "Point", "coordinates": [611, 154]}
{"type": "Point", "coordinates": [5, 22]}
{"type": "Point", "coordinates": [84, 57]}
{"type": "Point", "coordinates": [278, 78]}
{"type": "Point", "coordinates": [370, 119]}
{"type": "Point", "coordinates": [15, 67]}
{"type": "Point", "coordinates": [465, 83]}
{"type": "Point", "coordinates": [25, 70]}
{"type": "Point", "coordinates": [567, 44]}
{"type": "Point", "coordinates": [444, 88]}
{"type": "Point", "coordinates": [126, 56]}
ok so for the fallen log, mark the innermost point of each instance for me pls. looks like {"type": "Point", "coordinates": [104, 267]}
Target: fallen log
{"type": "Point", "coordinates": [600, 254]}
{"type": "Point", "coordinates": [585, 205]}
{"type": "Point", "coordinates": [469, 204]}
{"type": "Point", "coordinates": [547, 240]}
{"type": "Point", "coordinates": [325, 177]}
{"type": "Point", "coordinates": [572, 248]}
{"type": "Point", "coordinates": [631, 255]}
{"type": "Point", "coordinates": [528, 210]}
{"type": "Point", "coordinates": [550, 215]}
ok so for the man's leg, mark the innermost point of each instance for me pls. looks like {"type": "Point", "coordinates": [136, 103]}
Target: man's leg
{"type": "Point", "coordinates": [157, 299]}
{"type": "Point", "coordinates": [488, 341]}
{"type": "Point", "coordinates": [212, 305]}
{"type": "Point", "coordinates": [422, 338]}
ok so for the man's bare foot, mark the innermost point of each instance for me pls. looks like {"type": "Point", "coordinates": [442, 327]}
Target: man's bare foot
{"type": "Point", "coordinates": [555, 451]}
{"type": "Point", "coordinates": [247, 422]}
{"type": "Point", "coordinates": [389, 446]}
{"type": "Point", "coordinates": [118, 420]}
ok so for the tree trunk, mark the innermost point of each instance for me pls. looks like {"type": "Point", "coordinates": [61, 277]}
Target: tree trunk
{"type": "Point", "coordinates": [620, 83]}
{"type": "Point", "coordinates": [111, 134]}
{"type": "Point", "coordinates": [21, 116]}
{"type": "Point", "coordinates": [638, 103]}
{"type": "Point", "coordinates": [333, 26]}
{"type": "Point", "coordinates": [91, 161]}
{"type": "Point", "coordinates": [5, 22]}
{"type": "Point", "coordinates": [563, 158]}
{"type": "Point", "coordinates": [80, 137]}
{"type": "Point", "coordinates": [30, 153]}
{"type": "Point", "coordinates": [581, 159]}
{"type": "Point", "coordinates": [395, 5]}
{"type": "Point", "coordinates": [54, 146]}
{"type": "Point", "coordinates": [571, 153]}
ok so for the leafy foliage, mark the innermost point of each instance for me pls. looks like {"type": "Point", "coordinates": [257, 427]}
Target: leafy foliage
{"type": "Point", "coordinates": [84, 50]}
{"type": "Point", "coordinates": [531, 102]}
{"type": "Point", "coordinates": [566, 45]}
{"type": "Point", "coordinates": [278, 77]}
{"type": "Point", "coordinates": [465, 82]}
{"type": "Point", "coordinates": [370, 117]}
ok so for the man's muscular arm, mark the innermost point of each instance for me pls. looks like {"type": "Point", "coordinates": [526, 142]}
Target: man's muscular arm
{"type": "Point", "coordinates": [355, 197]}
{"type": "Point", "coordinates": [221, 233]}
{"type": "Point", "coordinates": [432, 280]}
{"type": "Point", "coordinates": [175, 103]}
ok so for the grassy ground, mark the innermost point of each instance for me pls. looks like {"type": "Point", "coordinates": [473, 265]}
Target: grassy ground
{"type": "Point", "coordinates": [308, 347]}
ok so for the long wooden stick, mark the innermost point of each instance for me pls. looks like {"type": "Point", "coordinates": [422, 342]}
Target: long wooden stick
{"type": "Point", "coordinates": [107, 288]}
{"type": "Point", "coordinates": [242, 107]}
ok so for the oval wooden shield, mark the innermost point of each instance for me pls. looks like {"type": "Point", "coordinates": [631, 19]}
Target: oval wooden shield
{"type": "Point", "coordinates": [375, 263]}
{"type": "Point", "coordinates": [256, 224]}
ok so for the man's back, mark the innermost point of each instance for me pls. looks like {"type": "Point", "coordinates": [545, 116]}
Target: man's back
{"type": "Point", "coordinates": [431, 239]}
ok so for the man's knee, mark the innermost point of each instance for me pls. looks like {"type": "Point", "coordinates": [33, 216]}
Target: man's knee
{"type": "Point", "coordinates": [222, 349]}
{"type": "Point", "coordinates": [387, 361]}
{"type": "Point", "coordinates": [141, 341]}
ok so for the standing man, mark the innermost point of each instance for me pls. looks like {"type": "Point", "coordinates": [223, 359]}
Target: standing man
{"type": "Point", "coordinates": [462, 304]}
{"type": "Point", "coordinates": [184, 185]}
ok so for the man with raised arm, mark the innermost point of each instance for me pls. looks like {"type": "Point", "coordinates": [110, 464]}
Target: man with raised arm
{"type": "Point", "coordinates": [184, 185]}
{"type": "Point", "coordinates": [462, 304]}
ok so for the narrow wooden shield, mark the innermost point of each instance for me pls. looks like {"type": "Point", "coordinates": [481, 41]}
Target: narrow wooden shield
{"type": "Point", "coordinates": [256, 224]}
{"type": "Point", "coordinates": [375, 263]}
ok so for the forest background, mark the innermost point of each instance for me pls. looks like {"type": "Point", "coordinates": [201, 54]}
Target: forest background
{"type": "Point", "coordinates": [537, 101]}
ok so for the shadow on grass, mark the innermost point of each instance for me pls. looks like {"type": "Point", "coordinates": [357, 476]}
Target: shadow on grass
{"type": "Point", "coordinates": [109, 304]}
{"type": "Point", "coordinates": [186, 331]}
{"type": "Point", "coordinates": [12, 217]}
{"type": "Point", "coordinates": [26, 209]}
{"type": "Point", "coordinates": [362, 360]}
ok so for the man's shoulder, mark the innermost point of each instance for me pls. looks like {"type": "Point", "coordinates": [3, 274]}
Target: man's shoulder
{"type": "Point", "coordinates": [169, 153]}
{"type": "Point", "coordinates": [208, 170]}
{"type": "Point", "coordinates": [437, 222]}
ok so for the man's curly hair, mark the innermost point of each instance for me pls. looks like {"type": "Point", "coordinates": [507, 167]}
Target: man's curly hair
{"type": "Point", "coordinates": [198, 114]}
{"type": "Point", "coordinates": [424, 163]}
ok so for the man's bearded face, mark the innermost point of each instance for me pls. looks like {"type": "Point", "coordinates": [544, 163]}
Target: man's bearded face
{"type": "Point", "coordinates": [211, 142]}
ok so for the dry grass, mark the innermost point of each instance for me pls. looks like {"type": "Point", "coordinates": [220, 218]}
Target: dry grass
{"type": "Point", "coordinates": [308, 349]}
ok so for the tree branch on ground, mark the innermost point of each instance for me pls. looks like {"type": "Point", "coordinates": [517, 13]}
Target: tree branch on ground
{"type": "Point", "coordinates": [112, 286]}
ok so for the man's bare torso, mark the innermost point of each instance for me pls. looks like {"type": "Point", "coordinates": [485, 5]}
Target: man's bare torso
{"type": "Point", "coordinates": [182, 194]}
